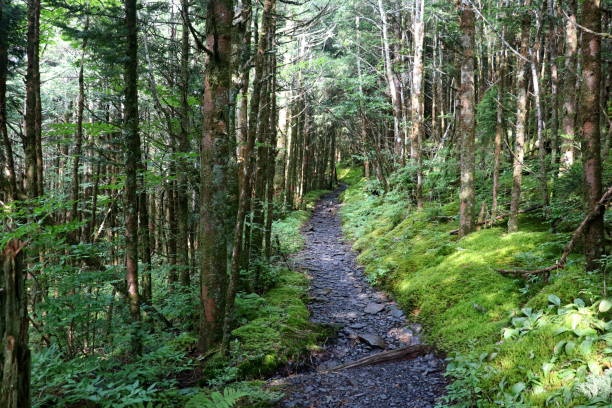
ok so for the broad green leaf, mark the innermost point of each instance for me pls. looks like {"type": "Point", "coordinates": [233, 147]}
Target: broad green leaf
{"type": "Point", "coordinates": [586, 347]}
{"type": "Point", "coordinates": [517, 388]}
{"type": "Point", "coordinates": [554, 299]}
{"type": "Point", "coordinates": [605, 305]}
{"type": "Point", "coordinates": [570, 346]}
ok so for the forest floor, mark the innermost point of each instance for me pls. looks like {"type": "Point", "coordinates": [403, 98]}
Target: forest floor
{"type": "Point", "coordinates": [368, 323]}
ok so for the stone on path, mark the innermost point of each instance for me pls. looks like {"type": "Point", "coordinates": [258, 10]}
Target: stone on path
{"type": "Point", "coordinates": [373, 340]}
{"type": "Point", "coordinates": [374, 308]}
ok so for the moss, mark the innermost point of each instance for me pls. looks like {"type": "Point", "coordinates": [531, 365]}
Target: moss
{"type": "Point", "coordinates": [451, 285]}
{"type": "Point", "coordinates": [287, 230]}
{"type": "Point", "coordinates": [280, 332]}
{"type": "Point", "coordinates": [349, 175]}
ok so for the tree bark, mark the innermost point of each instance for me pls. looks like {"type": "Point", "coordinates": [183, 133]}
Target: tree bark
{"type": "Point", "coordinates": [466, 118]}
{"type": "Point", "coordinates": [132, 166]}
{"type": "Point", "coordinates": [214, 162]}
{"type": "Point", "coordinates": [392, 81]}
{"type": "Point", "coordinates": [590, 128]}
{"type": "Point", "coordinates": [499, 131]}
{"type": "Point", "coordinates": [418, 100]}
{"type": "Point", "coordinates": [521, 121]}
{"type": "Point", "coordinates": [569, 87]}
{"type": "Point", "coordinates": [7, 162]}
{"type": "Point", "coordinates": [15, 360]}
{"type": "Point", "coordinates": [30, 141]}
{"type": "Point", "coordinates": [182, 198]}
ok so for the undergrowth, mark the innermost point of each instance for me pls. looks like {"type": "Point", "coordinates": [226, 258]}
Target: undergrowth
{"type": "Point", "coordinates": [272, 329]}
{"type": "Point", "coordinates": [512, 342]}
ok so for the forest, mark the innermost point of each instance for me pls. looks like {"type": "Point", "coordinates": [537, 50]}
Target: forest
{"type": "Point", "coordinates": [305, 203]}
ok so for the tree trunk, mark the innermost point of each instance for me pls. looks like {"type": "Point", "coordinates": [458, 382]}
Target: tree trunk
{"type": "Point", "coordinates": [32, 93]}
{"type": "Point", "coordinates": [132, 165]}
{"type": "Point", "coordinates": [590, 128]}
{"type": "Point", "coordinates": [499, 131]}
{"type": "Point", "coordinates": [521, 121]}
{"type": "Point", "coordinates": [7, 163]}
{"type": "Point", "coordinates": [78, 143]}
{"type": "Point", "coordinates": [182, 197]}
{"type": "Point", "coordinates": [466, 118]}
{"type": "Point", "coordinates": [418, 100]}
{"type": "Point", "coordinates": [569, 88]}
{"type": "Point", "coordinates": [214, 161]}
{"type": "Point", "coordinates": [15, 359]}
{"type": "Point", "coordinates": [392, 81]}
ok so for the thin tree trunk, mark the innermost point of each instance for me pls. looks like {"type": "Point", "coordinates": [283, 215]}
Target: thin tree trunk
{"type": "Point", "coordinates": [590, 128]}
{"type": "Point", "coordinates": [499, 132]}
{"type": "Point", "coordinates": [467, 118]}
{"type": "Point", "coordinates": [9, 163]}
{"type": "Point", "coordinates": [540, 122]}
{"type": "Point", "coordinates": [569, 87]}
{"type": "Point", "coordinates": [78, 143]}
{"type": "Point", "coordinates": [391, 80]}
{"type": "Point", "coordinates": [132, 165]}
{"type": "Point", "coordinates": [32, 94]}
{"type": "Point", "coordinates": [521, 121]}
{"type": "Point", "coordinates": [182, 199]}
{"type": "Point", "coordinates": [418, 100]}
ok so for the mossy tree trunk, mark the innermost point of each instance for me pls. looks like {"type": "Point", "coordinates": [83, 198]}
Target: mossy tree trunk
{"type": "Point", "coordinates": [214, 175]}
{"type": "Point", "coordinates": [132, 166]}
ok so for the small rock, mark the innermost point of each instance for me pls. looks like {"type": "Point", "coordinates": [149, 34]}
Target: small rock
{"type": "Point", "coordinates": [397, 313]}
{"type": "Point", "coordinates": [402, 334]}
{"type": "Point", "coordinates": [357, 326]}
{"type": "Point", "coordinates": [373, 340]}
{"type": "Point", "coordinates": [374, 308]}
{"type": "Point", "coordinates": [416, 328]}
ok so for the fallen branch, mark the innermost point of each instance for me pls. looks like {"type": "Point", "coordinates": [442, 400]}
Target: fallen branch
{"type": "Point", "coordinates": [500, 217]}
{"type": "Point", "coordinates": [408, 352]}
{"type": "Point", "coordinates": [560, 264]}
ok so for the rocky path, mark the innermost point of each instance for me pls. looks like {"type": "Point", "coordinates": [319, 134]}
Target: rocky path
{"type": "Point", "coordinates": [369, 323]}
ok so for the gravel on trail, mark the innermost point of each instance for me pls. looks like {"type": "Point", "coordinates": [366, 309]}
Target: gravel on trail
{"type": "Point", "coordinates": [368, 322]}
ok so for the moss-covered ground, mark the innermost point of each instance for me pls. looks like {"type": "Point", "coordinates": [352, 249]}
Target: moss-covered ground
{"type": "Point", "coordinates": [506, 337]}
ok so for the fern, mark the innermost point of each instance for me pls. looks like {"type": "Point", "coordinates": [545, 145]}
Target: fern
{"type": "Point", "coordinates": [228, 399]}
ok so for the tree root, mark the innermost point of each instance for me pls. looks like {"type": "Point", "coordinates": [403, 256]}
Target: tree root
{"type": "Point", "coordinates": [599, 209]}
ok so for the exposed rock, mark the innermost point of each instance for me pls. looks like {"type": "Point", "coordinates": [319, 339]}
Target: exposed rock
{"type": "Point", "coordinates": [374, 308]}
{"type": "Point", "coordinates": [402, 334]}
{"type": "Point", "coordinates": [373, 340]}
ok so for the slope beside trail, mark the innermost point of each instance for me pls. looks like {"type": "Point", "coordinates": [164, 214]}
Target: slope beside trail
{"type": "Point", "coordinates": [369, 323]}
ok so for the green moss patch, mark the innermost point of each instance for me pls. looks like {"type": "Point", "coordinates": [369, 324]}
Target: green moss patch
{"type": "Point", "coordinates": [279, 332]}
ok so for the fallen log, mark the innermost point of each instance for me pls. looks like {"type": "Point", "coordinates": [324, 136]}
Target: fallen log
{"type": "Point", "coordinates": [599, 209]}
{"type": "Point", "coordinates": [500, 217]}
{"type": "Point", "coordinates": [402, 353]}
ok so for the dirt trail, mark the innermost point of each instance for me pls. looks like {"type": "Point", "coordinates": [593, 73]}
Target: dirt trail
{"type": "Point", "coordinates": [370, 323]}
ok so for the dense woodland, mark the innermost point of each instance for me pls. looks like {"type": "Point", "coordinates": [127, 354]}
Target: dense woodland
{"type": "Point", "coordinates": [158, 159]}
